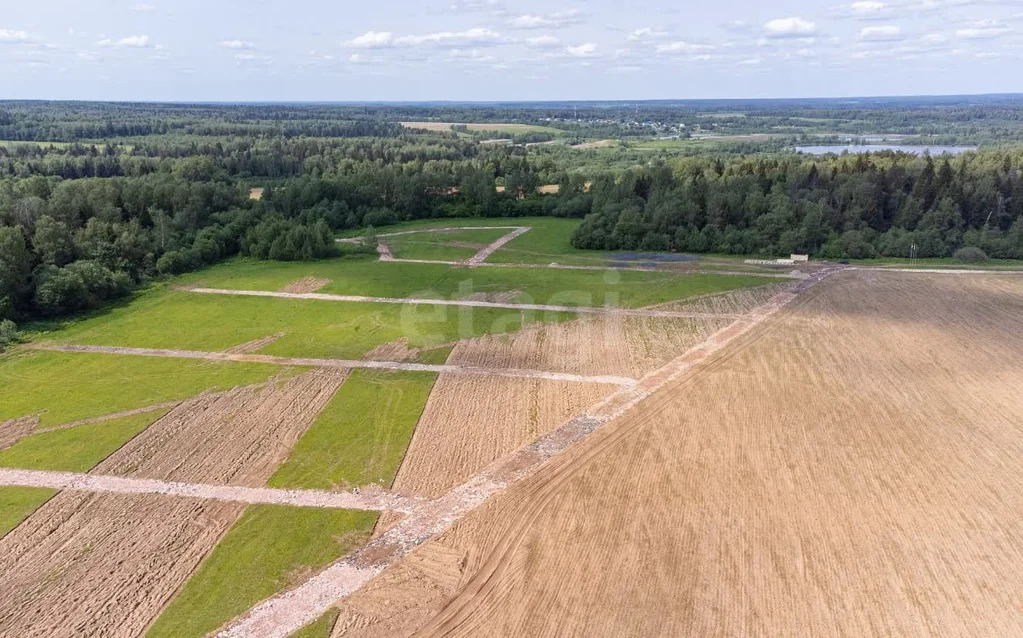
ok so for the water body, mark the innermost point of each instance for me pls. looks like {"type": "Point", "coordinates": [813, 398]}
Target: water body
{"type": "Point", "coordinates": [874, 148]}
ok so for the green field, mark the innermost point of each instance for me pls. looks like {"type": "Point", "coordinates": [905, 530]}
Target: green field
{"type": "Point", "coordinates": [63, 387]}
{"type": "Point", "coordinates": [185, 320]}
{"type": "Point", "coordinates": [442, 246]}
{"type": "Point", "coordinates": [270, 548]}
{"type": "Point", "coordinates": [17, 503]}
{"type": "Point", "coordinates": [76, 449]}
{"type": "Point", "coordinates": [165, 317]}
{"type": "Point", "coordinates": [321, 628]}
{"type": "Point", "coordinates": [360, 437]}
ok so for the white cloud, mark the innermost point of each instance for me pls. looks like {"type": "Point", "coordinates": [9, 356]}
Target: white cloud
{"type": "Point", "coordinates": [585, 50]}
{"type": "Point", "coordinates": [934, 38]}
{"type": "Point", "coordinates": [983, 30]}
{"type": "Point", "coordinates": [132, 41]}
{"type": "Point", "coordinates": [794, 27]}
{"type": "Point", "coordinates": [647, 33]}
{"type": "Point", "coordinates": [865, 10]}
{"type": "Point", "coordinates": [372, 40]}
{"type": "Point", "coordinates": [237, 44]}
{"type": "Point", "coordinates": [886, 33]}
{"type": "Point", "coordinates": [867, 7]}
{"type": "Point", "coordinates": [469, 55]}
{"type": "Point", "coordinates": [749, 62]}
{"type": "Point", "coordinates": [142, 6]}
{"type": "Point", "coordinates": [543, 41]}
{"type": "Point", "coordinates": [8, 36]}
{"type": "Point", "coordinates": [552, 20]}
{"type": "Point", "coordinates": [681, 46]}
{"type": "Point", "coordinates": [384, 39]}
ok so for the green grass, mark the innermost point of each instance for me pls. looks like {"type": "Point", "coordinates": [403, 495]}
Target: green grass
{"type": "Point", "coordinates": [438, 246]}
{"type": "Point", "coordinates": [270, 548]}
{"type": "Point", "coordinates": [321, 628]}
{"type": "Point", "coordinates": [438, 281]}
{"type": "Point", "coordinates": [76, 449]}
{"type": "Point", "coordinates": [185, 320]}
{"type": "Point", "coordinates": [991, 264]}
{"type": "Point", "coordinates": [360, 437]}
{"type": "Point", "coordinates": [17, 503]}
{"type": "Point", "coordinates": [435, 356]}
{"type": "Point", "coordinates": [66, 387]}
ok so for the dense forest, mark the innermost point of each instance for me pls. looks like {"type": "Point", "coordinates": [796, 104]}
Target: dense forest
{"type": "Point", "coordinates": [858, 206]}
{"type": "Point", "coordinates": [96, 199]}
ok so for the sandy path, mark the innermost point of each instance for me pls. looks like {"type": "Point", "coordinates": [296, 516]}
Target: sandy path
{"type": "Point", "coordinates": [372, 500]}
{"type": "Point", "coordinates": [335, 363]}
{"type": "Point", "coordinates": [486, 252]}
{"type": "Point", "coordinates": [853, 470]}
{"type": "Point", "coordinates": [472, 303]}
{"type": "Point", "coordinates": [89, 563]}
{"type": "Point", "coordinates": [287, 612]}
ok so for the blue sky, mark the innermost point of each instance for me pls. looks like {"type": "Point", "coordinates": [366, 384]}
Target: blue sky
{"type": "Point", "coordinates": [506, 50]}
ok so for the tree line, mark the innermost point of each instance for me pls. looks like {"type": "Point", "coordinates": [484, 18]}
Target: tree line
{"type": "Point", "coordinates": [854, 206]}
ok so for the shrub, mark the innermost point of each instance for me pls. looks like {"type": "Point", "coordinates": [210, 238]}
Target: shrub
{"type": "Point", "coordinates": [8, 334]}
{"type": "Point", "coordinates": [970, 255]}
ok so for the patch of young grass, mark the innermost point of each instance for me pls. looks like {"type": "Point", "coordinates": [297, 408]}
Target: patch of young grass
{"type": "Point", "coordinates": [438, 246]}
{"type": "Point", "coordinates": [360, 437]}
{"type": "Point", "coordinates": [321, 627]}
{"type": "Point", "coordinates": [269, 549]}
{"type": "Point", "coordinates": [17, 503]}
{"type": "Point", "coordinates": [327, 329]}
{"type": "Point", "coordinates": [64, 387]}
{"type": "Point", "coordinates": [77, 449]}
{"type": "Point", "coordinates": [435, 356]}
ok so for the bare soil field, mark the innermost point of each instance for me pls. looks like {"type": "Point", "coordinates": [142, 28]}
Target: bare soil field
{"type": "Point", "coordinates": [395, 351]}
{"type": "Point", "coordinates": [88, 564]}
{"type": "Point", "coordinates": [256, 344]}
{"type": "Point", "coordinates": [854, 466]}
{"type": "Point", "coordinates": [13, 430]}
{"type": "Point", "coordinates": [306, 284]}
{"type": "Point", "coordinates": [607, 344]}
{"type": "Point", "coordinates": [738, 301]}
{"type": "Point", "coordinates": [470, 422]}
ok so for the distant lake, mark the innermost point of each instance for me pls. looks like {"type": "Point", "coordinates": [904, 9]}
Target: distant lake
{"type": "Point", "coordinates": [838, 149]}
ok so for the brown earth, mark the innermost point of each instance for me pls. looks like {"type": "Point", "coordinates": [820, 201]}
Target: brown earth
{"type": "Point", "coordinates": [88, 564]}
{"type": "Point", "coordinates": [306, 284]}
{"type": "Point", "coordinates": [256, 344]}
{"type": "Point", "coordinates": [394, 351]}
{"type": "Point", "coordinates": [469, 422]}
{"type": "Point", "coordinates": [13, 430]}
{"type": "Point", "coordinates": [854, 466]}
{"type": "Point", "coordinates": [737, 301]}
{"type": "Point", "coordinates": [604, 344]}
{"type": "Point", "coordinates": [256, 193]}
